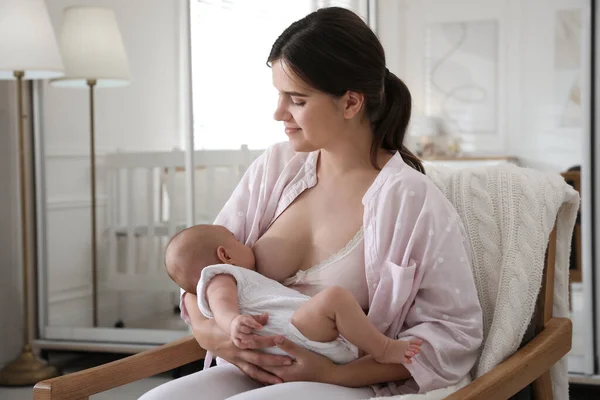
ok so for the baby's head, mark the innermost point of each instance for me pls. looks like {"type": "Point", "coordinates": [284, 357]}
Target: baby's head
{"type": "Point", "coordinates": [199, 246]}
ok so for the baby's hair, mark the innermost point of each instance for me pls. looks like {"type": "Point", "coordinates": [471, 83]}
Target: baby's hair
{"type": "Point", "coordinates": [189, 251]}
{"type": "Point", "coordinates": [171, 240]}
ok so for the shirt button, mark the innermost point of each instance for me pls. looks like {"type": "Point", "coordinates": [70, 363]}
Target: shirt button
{"type": "Point", "coordinates": [374, 286]}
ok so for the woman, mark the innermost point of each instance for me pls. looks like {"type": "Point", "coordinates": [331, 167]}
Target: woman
{"type": "Point", "coordinates": [344, 180]}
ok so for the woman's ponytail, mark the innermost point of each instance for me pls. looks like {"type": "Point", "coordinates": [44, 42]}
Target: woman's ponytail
{"type": "Point", "coordinates": [390, 127]}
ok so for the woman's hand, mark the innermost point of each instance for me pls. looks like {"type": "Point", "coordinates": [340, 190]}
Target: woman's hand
{"type": "Point", "coordinates": [254, 363]}
{"type": "Point", "coordinates": [251, 361]}
{"type": "Point", "coordinates": [307, 366]}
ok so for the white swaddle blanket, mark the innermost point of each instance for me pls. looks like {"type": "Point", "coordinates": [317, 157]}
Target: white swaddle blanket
{"type": "Point", "coordinates": [259, 294]}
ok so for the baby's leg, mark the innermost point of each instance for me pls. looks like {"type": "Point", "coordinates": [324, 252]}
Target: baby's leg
{"type": "Point", "coordinates": [335, 311]}
{"type": "Point", "coordinates": [314, 319]}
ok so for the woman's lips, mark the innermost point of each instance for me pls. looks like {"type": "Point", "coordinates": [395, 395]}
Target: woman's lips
{"type": "Point", "coordinates": [291, 131]}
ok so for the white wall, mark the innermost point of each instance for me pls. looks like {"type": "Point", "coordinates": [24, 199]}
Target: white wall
{"type": "Point", "coordinates": [10, 271]}
{"type": "Point", "coordinates": [143, 116]}
{"type": "Point", "coordinates": [526, 82]}
{"type": "Point", "coordinates": [541, 142]}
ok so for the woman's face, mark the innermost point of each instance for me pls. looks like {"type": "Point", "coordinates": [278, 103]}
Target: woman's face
{"type": "Point", "coordinates": [313, 120]}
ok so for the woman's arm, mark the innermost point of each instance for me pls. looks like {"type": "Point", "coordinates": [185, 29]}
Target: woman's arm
{"type": "Point", "coordinates": [366, 371]}
{"type": "Point", "coordinates": [210, 337]}
{"type": "Point", "coordinates": [206, 331]}
{"type": "Point", "coordinates": [427, 288]}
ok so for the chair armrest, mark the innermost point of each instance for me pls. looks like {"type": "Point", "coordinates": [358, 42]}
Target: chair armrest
{"type": "Point", "coordinates": [523, 367]}
{"type": "Point", "coordinates": [82, 384]}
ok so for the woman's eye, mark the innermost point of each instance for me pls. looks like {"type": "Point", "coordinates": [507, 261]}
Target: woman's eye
{"type": "Point", "coordinates": [298, 103]}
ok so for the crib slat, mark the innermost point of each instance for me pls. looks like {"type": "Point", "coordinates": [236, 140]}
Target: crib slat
{"type": "Point", "coordinates": [150, 195]}
{"type": "Point", "coordinates": [131, 245]}
{"type": "Point", "coordinates": [118, 197]}
{"type": "Point", "coordinates": [211, 192]}
{"type": "Point", "coordinates": [246, 161]}
{"type": "Point", "coordinates": [171, 191]}
{"type": "Point", "coordinates": [234, 178]}
{"type": "Point", "coordinates": [111, 216]}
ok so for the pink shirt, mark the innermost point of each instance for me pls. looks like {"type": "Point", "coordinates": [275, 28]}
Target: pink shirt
{"type": "Point", "coordinates": [417, 261]}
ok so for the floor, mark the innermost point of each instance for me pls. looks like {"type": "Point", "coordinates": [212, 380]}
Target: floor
{"type": "Point", "coordinates": [584, 392]}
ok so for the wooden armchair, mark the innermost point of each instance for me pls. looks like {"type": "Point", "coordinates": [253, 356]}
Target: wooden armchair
{"type": "Point", "coordinates": [530, 364]}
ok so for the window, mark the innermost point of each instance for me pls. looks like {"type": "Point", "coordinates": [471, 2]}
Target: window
{"type": "Point", "coordinates": [233, 95]}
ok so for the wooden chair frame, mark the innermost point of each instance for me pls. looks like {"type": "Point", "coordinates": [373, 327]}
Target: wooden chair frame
{"type": "Point", "coordinates": [529, 365]}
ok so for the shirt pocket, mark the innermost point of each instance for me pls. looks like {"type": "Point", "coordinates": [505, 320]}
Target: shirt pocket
{"type": "Point", "coordinates": [395, 289]}
{"type": "Point", "coordinates": [399, 281]}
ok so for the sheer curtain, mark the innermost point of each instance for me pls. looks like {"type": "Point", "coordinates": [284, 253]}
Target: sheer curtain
{"type": "Point", "coordinates": [232, 91]}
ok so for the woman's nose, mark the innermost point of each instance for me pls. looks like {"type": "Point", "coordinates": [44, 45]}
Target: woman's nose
{"type": "Point", "coordinates": [281, 113]}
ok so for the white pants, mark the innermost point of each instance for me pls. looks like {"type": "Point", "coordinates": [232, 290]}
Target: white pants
{"type": "Point", "coordinates": [228, 382]}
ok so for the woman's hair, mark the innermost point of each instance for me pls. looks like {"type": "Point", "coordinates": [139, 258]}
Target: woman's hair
{"type": "Point", "coordinates": [334, 51]}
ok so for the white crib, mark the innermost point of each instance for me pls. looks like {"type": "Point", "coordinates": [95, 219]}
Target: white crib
{"type": "Point", "coordinates": [146, 203]}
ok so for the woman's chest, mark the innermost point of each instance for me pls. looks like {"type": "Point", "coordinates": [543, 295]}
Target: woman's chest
{"type": "Point", "coordinates": [316, 225]}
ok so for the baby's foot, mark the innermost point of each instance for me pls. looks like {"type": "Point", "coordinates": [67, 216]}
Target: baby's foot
{"type": "Point", "coordinates": [399, 351]}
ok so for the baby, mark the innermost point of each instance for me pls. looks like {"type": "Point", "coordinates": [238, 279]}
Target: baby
{"type": "Point", "coordinates": [209, 261]}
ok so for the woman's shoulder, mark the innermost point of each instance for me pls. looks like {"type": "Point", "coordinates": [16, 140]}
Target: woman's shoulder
{"type": "Point", "coordinates": [413, 198]}
{"type": "Point", "coordinates": [400, 180]}
{"type": "Point", "coordinates": [403, 186]}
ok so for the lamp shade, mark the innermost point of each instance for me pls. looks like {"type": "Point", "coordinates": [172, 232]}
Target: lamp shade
{"type": "Point", "coordinates": [27, 41]}
{"type": "Point", "coordinates": [92, 48]}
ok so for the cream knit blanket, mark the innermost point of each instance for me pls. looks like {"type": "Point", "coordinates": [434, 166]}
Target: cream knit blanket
{"type": "Point", "coordinates": [508, 213]}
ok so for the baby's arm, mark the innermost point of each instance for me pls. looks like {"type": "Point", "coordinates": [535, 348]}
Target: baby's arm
{"type": "Point", "coordinates": [222, 297]}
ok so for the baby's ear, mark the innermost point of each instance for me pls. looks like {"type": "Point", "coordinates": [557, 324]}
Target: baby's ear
{"type": "Point", "coordinates": [223, 255]}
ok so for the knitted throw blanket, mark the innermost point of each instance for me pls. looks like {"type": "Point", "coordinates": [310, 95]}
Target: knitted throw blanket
{"type": "Point", "coordinates": [508, 213]}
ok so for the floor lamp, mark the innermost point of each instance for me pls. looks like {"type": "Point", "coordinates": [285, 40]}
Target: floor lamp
{"type": "Point", "coordinates": [94, 57]}
{"type": "Point", "coordinates": [26, 53]}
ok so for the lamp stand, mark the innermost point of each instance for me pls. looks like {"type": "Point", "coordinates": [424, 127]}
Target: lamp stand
{"type": "Point", "coordinates": [92, 83]}
{"type": "Point", "coordinates": [26, 369]}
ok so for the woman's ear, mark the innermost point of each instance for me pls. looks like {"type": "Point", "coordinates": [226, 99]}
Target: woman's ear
{"type": "Point", "coordinates": [223, 255]}
{"type": "Point", "coordinates": [353, 103]}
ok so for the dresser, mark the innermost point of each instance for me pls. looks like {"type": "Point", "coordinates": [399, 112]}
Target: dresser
{"type": "Point", "coordinates": [468, 161]}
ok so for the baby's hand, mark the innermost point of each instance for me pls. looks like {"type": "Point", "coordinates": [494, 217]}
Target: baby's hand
{"type": "Point", "coordinates": [241, 330]}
